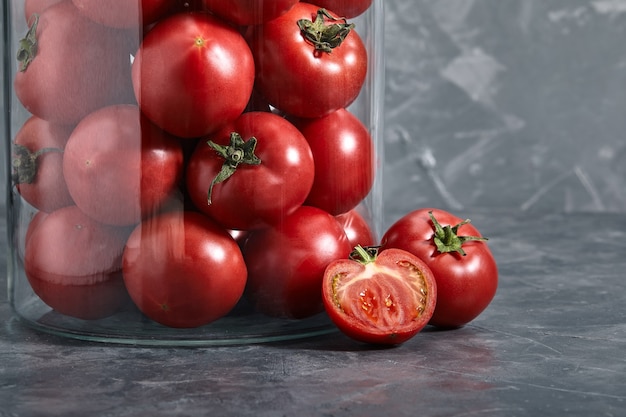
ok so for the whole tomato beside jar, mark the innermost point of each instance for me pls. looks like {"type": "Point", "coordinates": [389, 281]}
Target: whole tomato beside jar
{"type": "Point", "coordinates": [458, 255]}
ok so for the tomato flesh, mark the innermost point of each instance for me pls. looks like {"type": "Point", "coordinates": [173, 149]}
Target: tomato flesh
{"type": "Point", "coordinates": [385, 301]}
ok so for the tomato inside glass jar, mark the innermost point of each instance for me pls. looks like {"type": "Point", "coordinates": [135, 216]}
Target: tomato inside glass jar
{"type": "Point", "coordinates": [140, 98]}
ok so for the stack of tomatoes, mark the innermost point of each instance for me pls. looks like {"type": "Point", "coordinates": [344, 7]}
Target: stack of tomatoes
{"type": "Point", "coordinates": [207, 156]}
{"type": "Point", "coordinates": [181, 156]}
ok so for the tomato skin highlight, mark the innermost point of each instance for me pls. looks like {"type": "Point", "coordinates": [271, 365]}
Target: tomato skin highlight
{"type": "Point", "coordinates": [357, 229]}
{"type": "Point", "coordinates": [466, 284]}
{"type": "Point", "coordinates": [192, 74]}
{"type": "Point", "coordinates": [343, 152]}
{"type": "Point", "coordinates": [183, 270]}
{"type": "Point", "coordinates": [286, 262]}
{"type": "Point", "coordinates": [73, 263]}
{"type": "Point", "coordinates": [298, 80]}
{"type": "Point", "coordinates": [385, 301]}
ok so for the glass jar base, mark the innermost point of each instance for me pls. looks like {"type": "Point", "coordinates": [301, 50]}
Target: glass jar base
{"type": "Point", "coordinates": [132, 328]}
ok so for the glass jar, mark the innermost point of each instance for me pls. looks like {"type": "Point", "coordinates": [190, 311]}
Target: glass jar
{"type": "Point", "coordinates": [184, 181]}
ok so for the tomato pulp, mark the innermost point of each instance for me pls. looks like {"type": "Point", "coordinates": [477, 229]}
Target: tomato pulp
{"type": "Point", "coordinates": [380, 298]}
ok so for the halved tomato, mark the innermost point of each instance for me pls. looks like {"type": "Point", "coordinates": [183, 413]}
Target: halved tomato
{"type": "Point", "coordinates": [381, 298]}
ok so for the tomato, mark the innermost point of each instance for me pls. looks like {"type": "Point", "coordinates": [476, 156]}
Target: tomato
{"type": "Point", "coordinates": [464, 267]}
{"type": "Point", "coordinates": [36, 6]}
{"type": "Point", "coordinates": [380, 298]}
{"type": "Point", "coordinates": [343, 152]}
{"type": "Point", "coordinates": [119, 167]}
{"type": "Point", "coordinates": [37, 163]}
{"type": "Point", "coordinates": [305, 78]}
{"type": "Point", "coordinates": [286, 262]}
{"type": "Point", "coordinates": [73, 263]}
{"type": "Point", "coordinates": [183, 270]}
{"type": "Point", "coordinates": [249, 12]}
{"type": "Point", "coordinates": [356, 228]}
{"type": "Point", "coordinates": [123, 13]}
{"type": "Point", "coordinates": [70, 66]}
{"type": "Point", "coordinates": [345, 8]}
{"type": "Point", "coordinates": [192, 74]}
{"type": "Point", "coordinates": [263, 171]}
{"type": "Point", "coordinates": [35, 220]}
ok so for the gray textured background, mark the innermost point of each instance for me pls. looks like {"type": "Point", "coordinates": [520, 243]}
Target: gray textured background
{"type": "Point", "coordinates": [505, 105]}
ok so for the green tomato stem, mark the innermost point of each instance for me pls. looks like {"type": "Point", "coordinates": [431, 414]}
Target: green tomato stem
{"type": "Point", "coordinates": [364, 255]}
{"type": "Point", "coordinates": [236, 153]}
{"type": "Point", "coordinates": [446, 238]}
{"type": "Point", "coordinates": [27, 47]}
{"type": "Point", "coordinates": [25, 163]}
{"type": "Point", "coordinates": [325, 37]}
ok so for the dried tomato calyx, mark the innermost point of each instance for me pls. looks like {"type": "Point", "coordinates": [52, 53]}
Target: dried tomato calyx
{"type": "Point", "coordinates": [446, 238]}
{"type": "Point", "coordinates": [24, 163]}
{"type": "Point", "coordinates": [27, 48]}
{"type": "Point", "coordinates": [236, 153]}
{"type": "Point", "coordinates": [325, 37]}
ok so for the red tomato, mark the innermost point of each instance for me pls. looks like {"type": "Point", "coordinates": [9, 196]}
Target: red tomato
{"type": "Point", "coordinates": [343, 152]}
{"type": "Point", "coordinates": [381, 298]}
{"type": "Point", "coordinates": [193, 74]}
{"type": "Point", "coordinates": [286, 263]}
{"type": "Point", "coordinates": [345, 8]}
{"type": "Point", "coordinates": [36, 6]}
{"type": "Point", "coordinates": [123, 13]}
{"type": "Point", "coordinates": [463, 265]}
{"type": "Point", "coordinates": [249, 12]}
{"type": "Point", "coordinates": [119, 167]}
{"type": "Point", "coordinates": [35, 220]}
{"type": "Point", "coordinates": [37, 164]}
{"type": "Point", "coordinates": [304, 79]}
{"type": "Point", "coordinates": [357, 229]}
{"type": "Point", "coordinates": [73, 263]}
{"type": "Point", "coordinates": [269, 182]}
{"type": "Point", "coordinates": [183, 270]}
{"type": "Point", "coordinates": [72, 66]}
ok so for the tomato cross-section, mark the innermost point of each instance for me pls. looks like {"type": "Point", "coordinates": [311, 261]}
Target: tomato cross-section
{"type": "Point", "coordinates": [384, 298]}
